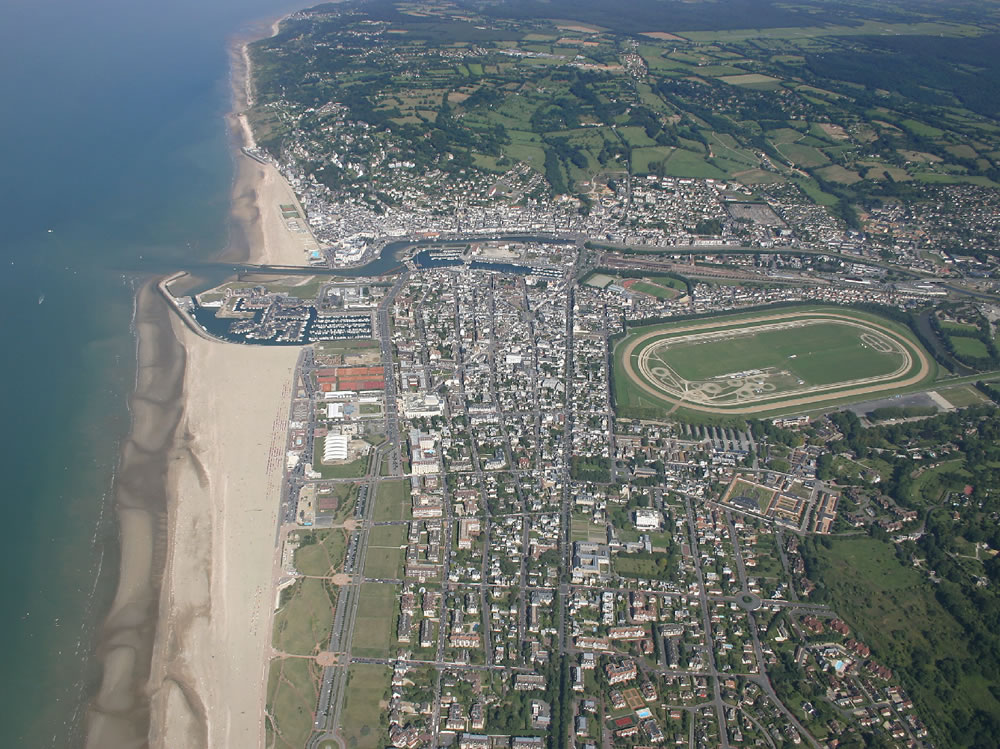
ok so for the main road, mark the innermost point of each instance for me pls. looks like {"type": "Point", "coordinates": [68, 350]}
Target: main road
{"type": "Point", "coordinates": [326, 724]}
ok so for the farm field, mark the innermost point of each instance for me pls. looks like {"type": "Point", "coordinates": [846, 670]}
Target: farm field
{"type": "Point", "coordinates": [768, 361]}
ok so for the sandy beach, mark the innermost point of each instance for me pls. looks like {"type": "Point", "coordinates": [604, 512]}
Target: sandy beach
{"type": "Point", "coordinates": [213, 640]}
{"type": "Point", "coordinates": [186, 644]}
{"type": "Point", "coordinates": [207, 686]}
{"type": "Point", "coordinates": [262, 233]}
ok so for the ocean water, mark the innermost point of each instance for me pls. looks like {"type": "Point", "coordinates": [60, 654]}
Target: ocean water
{"type": "Point", "coordinates": [115, 162]}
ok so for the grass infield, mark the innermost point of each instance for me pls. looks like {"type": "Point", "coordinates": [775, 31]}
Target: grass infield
{"type": "Point", "coordinates": [766, 362]}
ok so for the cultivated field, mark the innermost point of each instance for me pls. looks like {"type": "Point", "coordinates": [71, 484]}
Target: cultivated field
{"type": "Point", "coordinates": [786, 359]}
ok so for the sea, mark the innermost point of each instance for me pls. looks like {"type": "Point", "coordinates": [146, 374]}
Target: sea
{"type": "Point", "coordinates": [116, 164]}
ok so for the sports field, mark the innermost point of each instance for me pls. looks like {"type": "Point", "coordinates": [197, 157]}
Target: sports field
{"type": "Point", "coordinates": [653, 289]}
{"type": "Point", "coordinates": [765, 361]}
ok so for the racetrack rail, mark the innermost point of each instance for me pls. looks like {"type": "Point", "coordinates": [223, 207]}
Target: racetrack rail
{"type": "Point", "coordinates": [818, 394]}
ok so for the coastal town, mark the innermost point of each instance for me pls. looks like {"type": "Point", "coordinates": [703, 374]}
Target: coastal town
{"type": "Point", "coordinates": [501, 551]}
{"type": "Point", "coordinates": [615, 422]}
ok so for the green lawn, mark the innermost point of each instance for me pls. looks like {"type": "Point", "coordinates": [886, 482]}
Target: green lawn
{"type": "Point", "coordinates": [823, 353]}
{"type": "Point", "coordinates": [392, 500]}
{"type": "Point", "coordinates": [365, 720]}
{"type": "Point", "coordinates": [971, 347]}
{"type": "Point", "coordinates": [758, 494]}
{"type": "Point", "coordinates": [660, 292]}
{"type": "Point", "coordinates": [957, 327]}
{"type": "Point", "coordinates": [302, 624]}
{"type": "Point", "coordinates": [330, 348]}
{"type": "Point", "coordinates": [324, 556]}
{"type": "Point", "coordinates": [354, 469]}
{"type": "Point", "coordinates": [584, 530]}
{"type": "Point", "coordinates": [291, 700]}
{"type": "Point", "coordinates": [962, 396]}
{"type": "Point", "coordinates": [346, 496]}
{"type": "Point", "coordinates": [385, 557]}
{"type": "Point", "coordinates": [645, 566]}
{"type": "Point", "coordinates": [673, 283]}
{"type": "Point", "coordinates": [374, 629]}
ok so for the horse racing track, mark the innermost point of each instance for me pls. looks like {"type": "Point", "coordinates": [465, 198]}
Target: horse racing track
{"type": "Point", "coordinates": [767, 361]}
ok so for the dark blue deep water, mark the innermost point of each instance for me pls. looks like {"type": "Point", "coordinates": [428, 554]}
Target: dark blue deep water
{"type": "Point", "coordinates": [111, 135]}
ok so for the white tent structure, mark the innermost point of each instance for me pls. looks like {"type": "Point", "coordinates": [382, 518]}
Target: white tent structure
{"type": "Point", "coordinates": [334, 447]}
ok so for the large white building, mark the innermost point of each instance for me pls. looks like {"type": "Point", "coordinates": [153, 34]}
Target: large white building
{"type": "Point", "coordinates": [648, 520]}
{"type": "Point", "coordinates": [423, 453]}
{"type": "Point", "coordinates": [334, 447]}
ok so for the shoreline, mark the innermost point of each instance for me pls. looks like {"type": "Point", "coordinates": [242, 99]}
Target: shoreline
{"type": "Point", "coordinates": [208, 676]}
{"type": "Point", "coordinates": [185, 646]}
{"type": "Point", "coordinates": [119, 713]}
{"type": "Point", "coordinates": [259, 233]}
